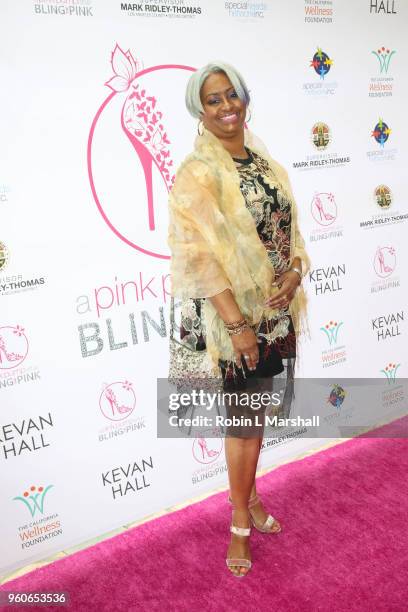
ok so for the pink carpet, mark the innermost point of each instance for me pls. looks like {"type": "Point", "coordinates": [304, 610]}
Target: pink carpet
{"type": "Point", "coordinates": [343, 547]}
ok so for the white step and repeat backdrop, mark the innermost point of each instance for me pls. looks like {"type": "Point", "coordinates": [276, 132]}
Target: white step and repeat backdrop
{"type": "Point", "coordinates": [93, 125]}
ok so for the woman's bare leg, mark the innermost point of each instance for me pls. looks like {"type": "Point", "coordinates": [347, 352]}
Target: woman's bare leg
{"type": "Point", "coordinates": [242, 458]}
{"type": "Point", "coordinates": [253, 488]}
{"type": "Point", "coordinates": [258, 511]}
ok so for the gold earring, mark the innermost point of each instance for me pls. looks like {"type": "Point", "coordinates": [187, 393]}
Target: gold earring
{"type": "Point", "coordinates": [250, 116]}
{"type": "Point", "coordinates": [200, 124]}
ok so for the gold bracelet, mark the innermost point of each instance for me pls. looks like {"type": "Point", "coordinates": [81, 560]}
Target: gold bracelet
{"type": "Point", "coordinates": [238, 330]}
{"type": "Point", "coordinates": [236, 324]}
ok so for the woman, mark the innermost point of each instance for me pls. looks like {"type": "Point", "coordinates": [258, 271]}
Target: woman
{"type": "Point", "coordinates": [237, 262]}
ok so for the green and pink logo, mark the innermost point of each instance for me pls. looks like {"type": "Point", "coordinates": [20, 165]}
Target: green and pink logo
{"type": "Point", "coordinates": [331, 331]}
{"type": "Point", "coordinates": [384, 56]}
{"type": "Point", "coordinates": [33, 499]}
{"type": "Point", "coordinates": [390, 371]}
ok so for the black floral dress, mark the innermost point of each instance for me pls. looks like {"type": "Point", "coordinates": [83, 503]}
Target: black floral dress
{"type": "Point", "coordinates": [271, 211]}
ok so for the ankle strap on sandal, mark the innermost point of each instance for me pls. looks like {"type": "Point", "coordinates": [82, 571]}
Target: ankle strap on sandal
{"type": "Point", "coordinates": [240, 531]}
{"type": "Point", "coordinates": [251, 502]}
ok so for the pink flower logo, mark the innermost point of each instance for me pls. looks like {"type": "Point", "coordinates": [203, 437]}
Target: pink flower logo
{"type": "Point", "coordinates": [13, 347]}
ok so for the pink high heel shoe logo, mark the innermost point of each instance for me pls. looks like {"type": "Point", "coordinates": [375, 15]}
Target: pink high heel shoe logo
{"type": "Point", "coordinates": [125, 196]}
{"type": "Point", "coordinates": [207, 450]}
{"type": "Point", "coordinates": [13, 347]}
{"type": "Point", "coordinates": [117, 401]}
{"type": "Point", "coordinates": [324, 208]}
{"type": "Point", "coordinates": [385, 261]}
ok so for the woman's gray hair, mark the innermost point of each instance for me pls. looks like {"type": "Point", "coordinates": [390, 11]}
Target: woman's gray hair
{"type": "Point", "coordinates": [196, 81]}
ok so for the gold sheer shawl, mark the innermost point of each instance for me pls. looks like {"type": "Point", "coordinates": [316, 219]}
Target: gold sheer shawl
{"type": "Point", "coordinates": [214, 242]}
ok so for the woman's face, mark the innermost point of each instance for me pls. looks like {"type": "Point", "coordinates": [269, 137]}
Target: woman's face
{"type": "Point", "coordinates": [224, 112]}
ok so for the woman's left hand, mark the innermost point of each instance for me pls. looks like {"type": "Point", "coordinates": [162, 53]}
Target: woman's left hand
{"type": "Point", "coordinates": [288, 282]}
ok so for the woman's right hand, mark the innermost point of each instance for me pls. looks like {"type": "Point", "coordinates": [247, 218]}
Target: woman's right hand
{"type": "Point", "coordinates": [246, 346]}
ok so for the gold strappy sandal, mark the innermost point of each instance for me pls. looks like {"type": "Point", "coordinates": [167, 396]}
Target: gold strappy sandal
{"type": "Point", "coordinates": [244, 532]}
{"type": "Point", "coordinates": [270, 521]}
{"type": "Point", "coordinates": [267, 526]}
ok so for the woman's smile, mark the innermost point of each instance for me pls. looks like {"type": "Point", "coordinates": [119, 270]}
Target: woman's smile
{"type": "Point", "coordinates": [224, 112]}
{"type": "Point", "coordinates": [230, 118]}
